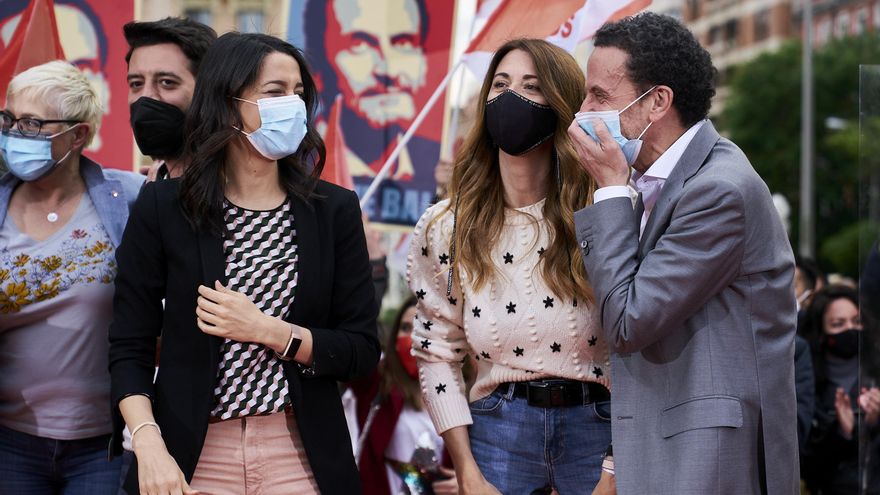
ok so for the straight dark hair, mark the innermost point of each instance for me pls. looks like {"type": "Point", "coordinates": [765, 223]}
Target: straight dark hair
{"type": "Point", "coordinates": [232, 65]}
{"type": "Point", "coordinates": [193, 38]}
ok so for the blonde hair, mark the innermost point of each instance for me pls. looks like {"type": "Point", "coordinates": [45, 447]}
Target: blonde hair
{"type": "Point", "coordinates": [64, 88]}
{"type": "Point", "coordinates": [477, 194]}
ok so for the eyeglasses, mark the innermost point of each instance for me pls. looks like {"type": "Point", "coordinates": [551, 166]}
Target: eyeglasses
{"type": "Point", "coordinates": [27, 126]}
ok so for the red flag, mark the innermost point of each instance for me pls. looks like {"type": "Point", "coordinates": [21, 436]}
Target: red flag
{"type": "Point", "coordinates": [564, 23]}
{"type": "Point", "coordinates": [523, 19]}
{"type": "Point", "coordinates": [34, 42]}
{"type": "Point", "coordinates": [336, 167]}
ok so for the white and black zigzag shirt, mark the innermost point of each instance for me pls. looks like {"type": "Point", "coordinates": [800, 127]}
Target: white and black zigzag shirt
{"type": "Point", "coordinates": [261, 262]}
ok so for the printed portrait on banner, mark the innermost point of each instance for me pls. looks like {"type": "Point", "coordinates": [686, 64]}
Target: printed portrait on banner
{"type": "Point", "coordinates": [91, 36]}
{"type": "Point", "coordinates": [383, 59]}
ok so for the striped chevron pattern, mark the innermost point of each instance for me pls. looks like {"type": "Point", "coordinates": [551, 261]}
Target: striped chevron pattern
{"type": "Point", "coordinates": [261, 262]}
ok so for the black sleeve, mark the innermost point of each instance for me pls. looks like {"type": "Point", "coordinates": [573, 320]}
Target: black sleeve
{"type": "Point", "coordinates": [137, 302]}
{"type": "Point", "coordinates": [349, 348]}
{"type": "Point", "coordinates": [805, 390]}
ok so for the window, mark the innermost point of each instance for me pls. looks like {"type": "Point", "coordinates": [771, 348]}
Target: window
{"type": "Point", "coordinates": [202, 15]}
{"type": "Point", "coordinates": [714, 35]}
{"type": "Point", "coordinates": [693, 7]}
{"type": "Point", "coordinates": [762, 25]}
{"type": "Point", "coordinates": [823, 31]}
{"type": "Point", "coordinates": [861, 21]}
{"type": "Point", "coordinates": [842, 25]}
{"type": "Point", "coordinates": [731, 30]}
{"type": "Point", "coordinates": [250, 21]}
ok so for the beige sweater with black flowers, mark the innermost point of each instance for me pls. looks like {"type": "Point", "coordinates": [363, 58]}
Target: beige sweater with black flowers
{"type": "Point", "coordinates": [514, 326]}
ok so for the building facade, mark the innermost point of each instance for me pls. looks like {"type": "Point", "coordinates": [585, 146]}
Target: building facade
{"type": "Point", "coordinates": [263, 16]}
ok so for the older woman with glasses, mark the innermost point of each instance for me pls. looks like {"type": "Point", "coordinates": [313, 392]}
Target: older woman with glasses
{"type": "Point", "coordinates": [61, 218]}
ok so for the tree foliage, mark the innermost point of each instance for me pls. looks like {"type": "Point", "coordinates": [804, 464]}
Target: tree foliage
{"type": "Point", "coordinates": [763, 116]}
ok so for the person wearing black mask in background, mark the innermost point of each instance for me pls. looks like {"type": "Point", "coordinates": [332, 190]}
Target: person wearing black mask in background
{"type": "Point", "coordinates": [833, 326]}
{"type": "Point", "coordinates": [163, 59]}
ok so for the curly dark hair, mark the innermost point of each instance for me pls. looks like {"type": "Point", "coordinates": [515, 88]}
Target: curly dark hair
{"type": "Point", "coordinates": [663, 52]}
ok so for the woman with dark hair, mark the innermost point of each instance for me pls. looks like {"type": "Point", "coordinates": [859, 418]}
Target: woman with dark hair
{"type": "Point", "coordinates": [267, 288]}
{"type": "Point", "coordinates": [399, 447]}
{"type": "Point", "coordinates": [513, 293]}
{"type": "Point", "coordinates": [834, 328]}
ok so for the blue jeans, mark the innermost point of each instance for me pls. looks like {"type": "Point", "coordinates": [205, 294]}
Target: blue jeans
{"type": "Point", "coordinates": [42, 466]}
{"type": "Point", "coordinates": [522, 449]}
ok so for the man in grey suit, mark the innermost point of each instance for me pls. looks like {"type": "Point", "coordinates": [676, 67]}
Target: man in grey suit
{"type": "Point", "coordinates": [694, 284]}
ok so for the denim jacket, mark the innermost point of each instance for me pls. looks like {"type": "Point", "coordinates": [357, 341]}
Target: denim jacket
{"type": "Point", "coordinates": [108, 189]}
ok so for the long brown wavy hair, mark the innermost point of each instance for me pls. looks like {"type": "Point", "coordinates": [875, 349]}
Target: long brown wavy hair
{"type": "Point", "coordinates": [477, 194]}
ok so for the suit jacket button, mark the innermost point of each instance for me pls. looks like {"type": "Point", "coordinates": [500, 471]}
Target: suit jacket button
{"type": "Point", "coordinates": [585, 247]}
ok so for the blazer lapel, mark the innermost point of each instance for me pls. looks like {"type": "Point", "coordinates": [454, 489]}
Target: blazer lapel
{"type": "Point", "coordinates": [213, 269]}
{"type": "Point", "coordinates": [687, 166]}
{"type": "Point", "coordinates": [308, 260]}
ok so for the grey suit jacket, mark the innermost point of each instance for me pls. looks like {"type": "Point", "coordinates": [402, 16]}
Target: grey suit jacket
{"type": "Point", "coordinates": [700, 315]}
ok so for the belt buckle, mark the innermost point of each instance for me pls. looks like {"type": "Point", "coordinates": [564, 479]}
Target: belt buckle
{"type": "Point", "coordinates": [544, 394]}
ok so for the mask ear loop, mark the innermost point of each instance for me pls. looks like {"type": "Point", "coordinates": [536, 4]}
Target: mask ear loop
{"type": "Point", "coordinates": [637, 99]}
{"type": "Point", "coordinates": [449, 275]}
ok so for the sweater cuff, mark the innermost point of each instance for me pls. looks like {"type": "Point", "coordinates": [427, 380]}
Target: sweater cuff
{"type": "Point", "coordinates": [449, 412]}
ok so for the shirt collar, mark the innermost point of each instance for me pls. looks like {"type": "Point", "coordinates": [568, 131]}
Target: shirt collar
{"type": "Point", "coordinates": [663, 166]}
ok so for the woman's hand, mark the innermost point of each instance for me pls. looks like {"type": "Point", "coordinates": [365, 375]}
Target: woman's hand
{"type": "Point", "coordinates": [231, 315]}
{"type": "Point", "coordinates": [158, 473]}
{"type": "Point", "coordinates": [606, 485]}
{"type": "Point", "coordinates": [869, 401]}
{"type": "Point", "coordinates": [476, 484]}
{"type": "Point", "coordinates": [845, 417]}
{"type": "Point", "coordinates": [448, 486]}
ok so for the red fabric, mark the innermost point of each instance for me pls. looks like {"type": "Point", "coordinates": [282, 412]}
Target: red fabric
{"type": "Point", "coordinates": [371, 463]}
{"type": "Point", "coordinates": [404, 353]}
{"type": "Point", "coordinates": [34, 42]}
{"type": "Point", "coordinates": [523, 19]}
{"type": "Point", "coordinates": [374, 477]}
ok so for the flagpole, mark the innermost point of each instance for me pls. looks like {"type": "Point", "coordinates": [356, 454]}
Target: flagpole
{"type": "Point", "coordinates": [409, 134]}
{"type": "Point", "coordinates": [456, 105]}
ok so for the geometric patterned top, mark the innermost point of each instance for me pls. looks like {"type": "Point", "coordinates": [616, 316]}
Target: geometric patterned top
{"type": "Point", "coordinates": [261, 262]}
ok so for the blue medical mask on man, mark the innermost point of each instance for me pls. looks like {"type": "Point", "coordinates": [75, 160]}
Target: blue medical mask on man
{"type": "Point", "coordinates": [30, 158]}
{"type": "Point", "coordinates": [630, 147]}
{"type": "Point", "coordinates": [282, 126]}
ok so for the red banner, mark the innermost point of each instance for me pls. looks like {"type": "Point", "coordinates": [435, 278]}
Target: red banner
{"type": "Point", "coordinates": [90, 32]}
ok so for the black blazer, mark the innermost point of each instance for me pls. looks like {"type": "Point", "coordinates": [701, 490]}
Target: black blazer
{"type": "Point", "coordinates": [161, 256]}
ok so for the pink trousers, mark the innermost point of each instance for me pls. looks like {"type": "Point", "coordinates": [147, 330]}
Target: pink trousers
{"type": "Point", "coordinates": [254, 455]}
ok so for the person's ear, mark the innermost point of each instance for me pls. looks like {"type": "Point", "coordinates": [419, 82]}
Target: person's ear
{"type": "Point", "coordinates": [81, 134]}
{"type": "Point", "coordinates": [661, 102]}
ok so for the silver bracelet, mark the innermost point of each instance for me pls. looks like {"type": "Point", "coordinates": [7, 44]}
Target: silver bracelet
{"type": "Point", "coordinates": [608, 465]}
{"type": "Point", "coordinates": [140, 426]}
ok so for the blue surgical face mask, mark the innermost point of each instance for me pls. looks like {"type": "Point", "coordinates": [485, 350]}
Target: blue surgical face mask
{"type": "Point", "coordinates": [630, 147]}
{"type": "Point", "coordinates": [30, 158]}
{"type": "Point", "coordinates": [282, 126]}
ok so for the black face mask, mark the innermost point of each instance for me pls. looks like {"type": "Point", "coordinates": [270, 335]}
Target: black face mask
{"type": "Point", "coordinates": [517, 124]}
{"type": "Point", "coordinates": [844, 345]}
{"type": "Point", "coordinates": [157, 127]}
